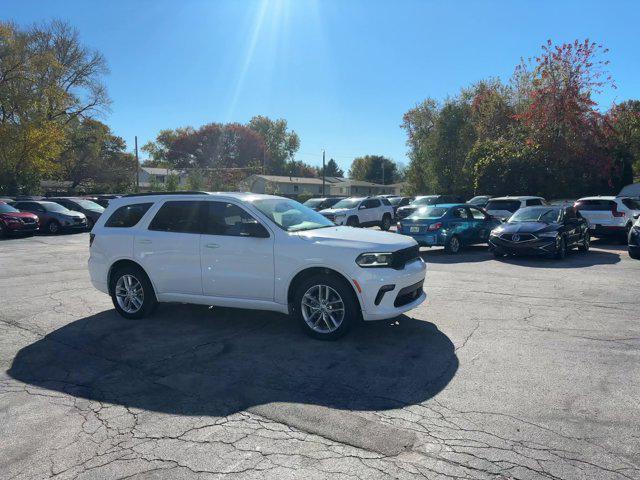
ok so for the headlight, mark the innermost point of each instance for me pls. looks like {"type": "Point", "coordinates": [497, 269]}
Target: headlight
{"type": "Point", "coordinates": [548, 235]}
{"type": "Point", "coordinates": [375, 259]}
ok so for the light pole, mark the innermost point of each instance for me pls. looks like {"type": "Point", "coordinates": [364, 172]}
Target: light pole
{"type": "Point", "coordinates": [323, 168]}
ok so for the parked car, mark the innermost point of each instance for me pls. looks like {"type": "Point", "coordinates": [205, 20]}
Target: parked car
{"type": "Point", "coordinates": [251, 251]}
{"type": "Point", "coordinates": [361, 212]}
{"type": "Point", "coordinates": [318, 204]}
{"type": "Point", "coordinates": [52, 217]}
{"type": "Point", "coordinates": [451, 226]}
{"type": "Point", "coordinates": [15, 222]}
{"type": "Point", "coordinates": [543, 230]}
{"type": "Point", "coordinates": [90, 209]}
{"type": "Point", "coordinates": [426, 200]}
{"type": "Point", "coordinates": [634, 239]}
{"type": "Point", "coordinates": [609, 216]}
{"type": "Point", "coordinates": [504, 207]}
{"type": "Point", "coordinates": [480, 200]}
{"type": "Point", "coordinates": [103, 200]}
{"type": "Point", "coordinates": [397, 202]}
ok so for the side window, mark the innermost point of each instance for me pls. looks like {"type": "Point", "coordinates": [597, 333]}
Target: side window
{"type": "Point", "coordinates": [179, 217]}
{"type": "Point", "coordinates": [127, 216]}
{"type": "Point", "coordinates": [477, 214]}
{"type": "Point", "coordinates": [226, 219]}
{"type": "Point", "coordinates": [385, 202]}
{"type": "Point", "coordinates": [533, 201]}
{"type": "Point", "coordinates": [569, 213]}
{"type": "Point", "coordinates": [459, 212]}
{"type": "Point", "coordinates": [631, 204]}
{"type": "Point", "coordinates": [372, 203]}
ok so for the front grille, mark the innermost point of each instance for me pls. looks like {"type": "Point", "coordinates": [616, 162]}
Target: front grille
{"type": "Point", "coordinates": [404, 256]}
{"type": "Point", "coordinates": [27, 221]}
{"type": "Point", "coordinates": [408, 294]}
{"type": "Point", "coordinates": [518, 237]}
{"type": "Point", "coordinates": [329, 216]}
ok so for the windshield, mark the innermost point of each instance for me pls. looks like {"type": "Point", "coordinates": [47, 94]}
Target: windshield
{"type": "Point", "coordinates": [53, 207]}
{"type": "Point", "coordinates": [545, 215]}
{"type": "Point", "coordinates": [428, 213]}
{"type": "Point", "coordinates": [348, 203]}
{"type": "Point", "coordinates": [478, 199]}
{"type": "Point", "coordinates": [313, 202]}
{"type": "Point", "coordinates": [508, 205]}
{"type": "Point", "coordinates": [4, 208]}
{"type": "Point", "coordinates": [425, 200]}
{"type": "Point", "coordinates": [291, 215]}
{"type": "Point", "coordinates": [89, 205]}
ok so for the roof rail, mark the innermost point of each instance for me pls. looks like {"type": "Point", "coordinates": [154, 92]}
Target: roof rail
{"type": "Point", "coordinates": [146, 194]}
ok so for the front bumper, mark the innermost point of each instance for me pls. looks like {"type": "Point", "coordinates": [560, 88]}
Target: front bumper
{"type": "Point", "coordinates": [22, 228]}
{"type": "Point", "coordinates": [406, 294]}
{"type": "Point", "coordinates": [537, 246]}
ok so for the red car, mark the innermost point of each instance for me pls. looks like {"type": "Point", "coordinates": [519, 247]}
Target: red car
{"type": "Point", "coordinates": [15, 222]}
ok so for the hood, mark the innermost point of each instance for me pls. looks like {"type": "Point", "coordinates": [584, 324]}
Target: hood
{"type": "Point", "coordinates": [528, 227]}
{"type": "Point", "coordinates": [357, 238]}
{"type": "Point", "coordinates": [19, 215]}
{"type": "Point", "coordinates": [336, 211]}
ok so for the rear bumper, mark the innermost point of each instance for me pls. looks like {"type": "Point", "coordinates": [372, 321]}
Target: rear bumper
{"type": "Point", "coordinates": [539, 246]}
{"type": "Point", "coordinates": [598, 230]}
{"type": "Point", "coordinates": [434, 239]}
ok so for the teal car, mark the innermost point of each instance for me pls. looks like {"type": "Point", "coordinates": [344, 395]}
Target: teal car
{"type": "Point", "coordinates": [451, 226]}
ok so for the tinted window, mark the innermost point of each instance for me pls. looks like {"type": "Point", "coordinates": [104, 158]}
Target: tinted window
{"type": "Point", "coordinates": [178, 216]}
{"type": "Point", "coordinates": [631, 204]}
{"type": "Point", "coordinates": [569, 213]}
{"type": "Point", "coordinates": [595, 205]}
{"type": "Point", "coordinates": [371, 203]}
{"type": "Point", "coordinates": [226, 219]}
{"type": "Point", "coordinates": [534, 201]}
{"type": "Point", "coordinates": [477, 214]}
{"type": "Point", "coordinates": [385, 201]}
{"type": "Point", "coordinates": [508, 205]}
{"type": "Point", "coordinates": [127, 216]}
{"type": "Point", "coordinates": [28, 206]}
{"type": "Point", "coordinates": [459, 212]}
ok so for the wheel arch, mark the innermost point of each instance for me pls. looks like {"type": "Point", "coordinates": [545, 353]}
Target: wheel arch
{"type": "Point", "coordinates": [310, 271]}
{"type": "Point", "coordinates": [123, 262]}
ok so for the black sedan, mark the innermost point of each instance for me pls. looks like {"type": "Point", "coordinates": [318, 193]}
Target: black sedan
{"type": "Point", "coordinates": [541, 230]}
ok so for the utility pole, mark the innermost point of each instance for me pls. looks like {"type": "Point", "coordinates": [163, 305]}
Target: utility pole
{"type": "Point", "coordinates": [137, 166]}
{"type": "Point", "coordinates": [323, 168]}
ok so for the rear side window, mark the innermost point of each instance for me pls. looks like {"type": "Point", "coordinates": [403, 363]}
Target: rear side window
{"type": "Point", "coordinates": [371, 203]}
{"type": "Point", "coordinates": [178, 217]}
{"type": "Point", "coordinates": [595, 205]}
{"type": "Point", "coordinates": [631, 203]}
{"type": "Point", "coordinates": [533, 202]}
{"type": "Point", "coordinates": [226, 219]}
{"type": "Point", "coordinates": [127, 216]}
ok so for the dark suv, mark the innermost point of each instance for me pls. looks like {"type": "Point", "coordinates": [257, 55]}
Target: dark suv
{"type": "Point", "coordinates": [53, 217]}
{"type": "Point", "coordinates": [15, 222]}
{"type": "Point", "coordinates": [92, 210]}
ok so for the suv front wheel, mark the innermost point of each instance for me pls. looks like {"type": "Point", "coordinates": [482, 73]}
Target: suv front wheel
{"type": "Point", "coordinates": [131, 292]}
{"type": "Point", "coordinates": [325, 307]}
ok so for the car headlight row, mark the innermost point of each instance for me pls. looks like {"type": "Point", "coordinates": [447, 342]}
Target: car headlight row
{"type": "Point", "coordinates": [367, 260]}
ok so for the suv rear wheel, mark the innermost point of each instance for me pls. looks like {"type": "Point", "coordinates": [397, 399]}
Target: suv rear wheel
{"type": "Point", "coordinates": [386, 222]}
{"type": "Point", "coordinates": [325, 307]}
{"type": "Point", "coordinates": [132, 293]}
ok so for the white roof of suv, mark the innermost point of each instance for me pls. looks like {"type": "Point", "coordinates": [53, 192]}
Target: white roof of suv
{"type": "Point", "coordinates": [525, 197]}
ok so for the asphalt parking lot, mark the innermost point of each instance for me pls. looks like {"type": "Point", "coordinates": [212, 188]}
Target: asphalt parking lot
{"type": "Point", "coordinates": [520, 368]}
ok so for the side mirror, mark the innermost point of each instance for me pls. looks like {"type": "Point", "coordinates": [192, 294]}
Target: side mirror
{"type": "Point", "coordinates": [253, 229]}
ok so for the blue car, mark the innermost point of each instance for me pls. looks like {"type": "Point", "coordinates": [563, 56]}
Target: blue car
{"type": "Point", "coordinates": [450, 225]}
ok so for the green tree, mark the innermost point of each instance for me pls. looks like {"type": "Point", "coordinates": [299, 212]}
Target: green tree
{"type": "Point", "coordinates": [47, 79]}
{"type": "Point", "coordinates": [373, 168]}
{"type": "Point", "coordinates": [281, 144]}
{"type": "Point", "coordinates": [332, 169]}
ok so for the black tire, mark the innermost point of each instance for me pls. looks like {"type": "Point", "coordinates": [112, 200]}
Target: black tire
{"type": "Point", "coordinates": [149, 301]}
{"type": "Point", "coordinates": [635, 256]}
{"type": "Point", "coordinates": [3, 232]}
{"type": "Point", "coordinates": [351, 314]}
{"type": "Point", "coordinates": [561, 249]}
{"type": "Point", "coordinates": [625, 240]}
{"type": "Point", "coordinates": [53, 227]}
{"type": "Point", "coordinates": [386, 222]}
{"type": "Point", "coordinates": [90, 224]}
{"type": "Point", "coordinates": [453, 245]}
{"type": "Point", "coordinates": [586, 242]}
{"type": "Point", "coordinates": [353, 222]}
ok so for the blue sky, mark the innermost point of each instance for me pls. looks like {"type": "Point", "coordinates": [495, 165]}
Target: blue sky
{"type": "Point", "coordinates": [341, 72]}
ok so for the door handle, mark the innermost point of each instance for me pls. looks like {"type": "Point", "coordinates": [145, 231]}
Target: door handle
{"type": "Point", "coordinates": [144, 241]}
{"type": "Point", "coordinates": [212, 245]}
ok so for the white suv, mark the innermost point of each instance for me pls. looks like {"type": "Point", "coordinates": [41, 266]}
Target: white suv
{"type": "Point", "coordinates": [361, 212]}
{"type": "Point", "coordinates": [251, 251]}
{"type": "Point", "coordinates": [504, 207]}
{"type": "Point", "coordinates": [609, 215]}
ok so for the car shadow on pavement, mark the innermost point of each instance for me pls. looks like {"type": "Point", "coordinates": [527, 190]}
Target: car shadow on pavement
{"type": "Point", "coordinates": [193, 360]}
{"type": "Point", "coordinates": [475, 253]}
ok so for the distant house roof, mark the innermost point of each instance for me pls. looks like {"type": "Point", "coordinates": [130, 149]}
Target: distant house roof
{"type": "Point", "coordinates": [161, 171]}
{"type": "Point", "coordinates": [361, 183]}
{"type": "Point", "coordinates": [286, 179]}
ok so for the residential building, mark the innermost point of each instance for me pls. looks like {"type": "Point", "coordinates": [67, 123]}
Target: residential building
{"type": "Point", "coordinates": [334, 186]}
{"type": "Point", "coordinates": [147, 176]}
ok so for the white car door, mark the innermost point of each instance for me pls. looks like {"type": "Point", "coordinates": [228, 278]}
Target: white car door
{"type": "Point", "coordinates": [169, 248]}
{"type": "Point", "coordinates": [236, 254]}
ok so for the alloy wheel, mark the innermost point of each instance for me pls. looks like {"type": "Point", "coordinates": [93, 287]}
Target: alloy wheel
{"type": "Point", "coordinates": [322, 309]}
{"type": "Point", "coordinates": [129, 293]}
{"type": "Point", "coordinates": [454, 244]}
{"type": "Point", "coordinates": [53, 227]}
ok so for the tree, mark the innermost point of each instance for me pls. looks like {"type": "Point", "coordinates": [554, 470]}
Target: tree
{"type": "Point", "coordinates": [332, 169]}
{"type": "Point", "coordinates": [373, 168]}
{"type": "Point", "coordinates": [47, 79]}
{"type": "Point", "coordinates": [280, 143]}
